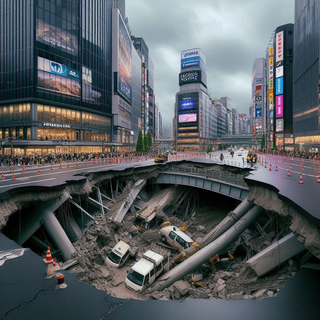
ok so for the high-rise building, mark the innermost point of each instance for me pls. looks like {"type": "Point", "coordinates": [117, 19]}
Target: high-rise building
{"type": "Point", "coordinates": [147, 89]}
{"type": "Point", "coordinates": [306, 79]}
{"type": "Point", "coordinates": [258, 93]}
{"type": "Point", "coordinates": [282, 87]}
{"type": "Point", "coordinates": [192, 104]}
{"type": "Point", "coordinates": [65, 88]}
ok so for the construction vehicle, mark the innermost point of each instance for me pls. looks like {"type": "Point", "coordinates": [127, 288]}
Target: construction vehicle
{"type": "Point", "coordinates": [161, 158]}
{"type": "Point", "coordinates": [146, 218]}
{"type": "Point", "coordinates": [251, 158]}
{"type": "Point", "coordinates": [144, 272]}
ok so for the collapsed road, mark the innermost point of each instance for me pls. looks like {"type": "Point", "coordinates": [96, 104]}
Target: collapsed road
{"type": "Point", "coordinates": [93, 229]}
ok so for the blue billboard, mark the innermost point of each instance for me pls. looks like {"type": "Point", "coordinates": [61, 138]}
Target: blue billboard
{"type": "Point", "coordinates": [279, 86]}
{"type": "Point", "coordinates": [193, 58]}
{"type": "Point", "coordinates": [258, 112]}
{"type": "Point", "coordinates": [62, 70]}
{"type": "Point", "coordinates": [186, 104]}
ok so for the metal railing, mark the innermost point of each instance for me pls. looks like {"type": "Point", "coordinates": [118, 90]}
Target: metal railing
{"type": "Point", "coordinates": [211, 173]}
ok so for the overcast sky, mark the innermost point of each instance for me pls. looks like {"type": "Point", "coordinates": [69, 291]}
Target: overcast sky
{"type": "Point", "coordinates": [231, 33]}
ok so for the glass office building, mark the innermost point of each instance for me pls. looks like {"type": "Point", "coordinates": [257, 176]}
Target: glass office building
{"type": "Point", "coordinates": [306, 79]}
{"type": "Point", "coordinates": [56, 75]}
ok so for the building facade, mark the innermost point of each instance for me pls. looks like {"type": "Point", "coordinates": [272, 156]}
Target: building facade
{"type": "Point", "coordinates": [306, 79]}
{"type": "Point", "coordinates": [192, 104]}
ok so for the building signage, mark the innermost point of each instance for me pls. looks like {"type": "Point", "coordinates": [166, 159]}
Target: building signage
{"type": "Point", "coordinates": [258, 112]}
{"type": "Point", "coordinates": [279, 46]}
{"type": "Point", "coordinates": [258, 98]}
{"type": "Point", "coordinates": [279, 72]}
{"type": "Point", "coordinates": [279, 86]}
{"type": "Point", "coordinates": [58, 68]}
{"type": "Point", "coordinates": [187, 117]}
{"type": "Point", "coordinates": [186, 104]}
{"type": "Point", "coordinates": [193, 57]}
{"type": "Point", "coordinates": [279, 64]}
{"type": "Point", "coordinates": [270, 83]}
{"type": "Point", "coordinates": [258, 81]}
{"type": "Point", "coordinates": [56, 125]}
{"type": "Point", "coordinates": [270, 96]}
{"type": "Point", "coordinates": [279, 125]}
{"type": "Point", "coordinates": [279, 106]}
{"type": "Point", "coordinates": [189, 77]}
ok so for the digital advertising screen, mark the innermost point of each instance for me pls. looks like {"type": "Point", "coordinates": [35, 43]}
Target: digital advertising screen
{"type": "Point", "coordinates": [189, 77]}
{"type": "Point", "coordinates": [57, 37]}
{"type": "Point", "coordinates": [279, 86]}
{"type": "Point", "coordinates": [279, 72]}
{"type": "Point", "coordinates": [125, 51]}
{"type": "Point", "coordinates": [258, 112]}
{"type": "Point", "coordinates": [279, 106]}
{"type": "Point", "coordinates": [187, 117]}
{"type": "Point", "coordinates": [186, 104]}
{"type": "Point", "coordinates": [55, 83]}
{"type": "Point", "coordinates": [279, 125]}
{"type": "Point", "coordinates": [193, 57]}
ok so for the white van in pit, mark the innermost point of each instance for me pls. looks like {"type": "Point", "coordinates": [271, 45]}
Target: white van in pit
{"type": "Point", "coordinates": [118, 255]}
{"type": "Point", "coordinates": [145, 271]}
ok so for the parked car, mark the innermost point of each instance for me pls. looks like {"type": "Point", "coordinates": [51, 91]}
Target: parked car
{"type": "Point", "coordinates": [175, 237]}
{"type": "Point", "coordinates": [118, 255]}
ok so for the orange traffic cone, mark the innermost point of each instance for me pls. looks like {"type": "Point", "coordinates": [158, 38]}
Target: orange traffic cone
{"type": "Point", "coordinates": [2, 176]}
{"type": "Point", "coordinates": [276, 168]}
{"type": "Point", "coordinates": [67, 164]}
{"type": "Point", "coordinates": [301, 178]}
{"type": "Point", "coordinates": [85, 162]}
{"type": "Point", "coordinates": [289, 175]}
{"type": "Point", "coordinates": [50, 269]}
{"type": "Point", "coordinates": [38, 169]}
{"type": "Point", "coordinates": [23, 169]}
{"type": "Point", "coordinates": [77, 164]}
{"type": "Point", "coordinates": [270, 167]}
{"type": "Point", "coordinates": [56, 267]}
{"type": "Point", "coordinates": [13, 176]}
{"type": "Point", "coordinates": [319, 177]}
{"type": "Point", "coordinates": [48, 258]}
{"type": "Point", "coordinates": [60, 165]}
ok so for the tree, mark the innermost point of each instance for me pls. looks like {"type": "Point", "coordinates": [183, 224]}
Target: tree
{"type": "Point", "coordinates": [263, 141]}
{"type": "Point", "coordinates": [139, 147]}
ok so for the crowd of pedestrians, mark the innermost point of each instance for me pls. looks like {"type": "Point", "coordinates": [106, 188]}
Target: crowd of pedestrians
{"type": "Point", "coordinates": [294, 154]}
{"type": "Point", "coordinates": [57, 158]}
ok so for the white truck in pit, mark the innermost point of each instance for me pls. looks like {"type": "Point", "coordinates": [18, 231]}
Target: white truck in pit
{"type": "Point", "coordinates": [146, 270]}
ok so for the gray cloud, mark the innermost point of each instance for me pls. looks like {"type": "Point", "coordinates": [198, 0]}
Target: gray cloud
{"type": "Point", "coordinates": [231, 33]}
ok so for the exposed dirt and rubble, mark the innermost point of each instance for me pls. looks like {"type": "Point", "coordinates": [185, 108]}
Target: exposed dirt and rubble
{"type": "Point", "coordinates": [200, 211]}
{"type": "Point", "coordinates": [233, 279]}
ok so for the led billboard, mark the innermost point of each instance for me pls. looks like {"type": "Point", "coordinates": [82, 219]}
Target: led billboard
{"type": "Point", "coordinates": [57, 37]}
{"type": "Point", "coordinates": [279, 86]}
{"type": "Point", "coordinates": [279, 72]}
{"type": "Point", "coordinates": [279, 125]}
{"type": "Point", "coordinates": [258, 112]}
{"type": "Point", "coordinates": [190, 77]}
{"type": "Point", "coordinates": [187, 117]}
{"type": "Point", "coordinates": [279, 106]}
{"type": "Point", "coordinates": [59, 84]}
{"type": "Point", "coordinates": [193, 57]}
{"type": "Point", "coordinates": [186, 104]}
{"type": "Point", "coordinates": [279, 46]}
{"type": "Point", "coordinates": [124, 74]}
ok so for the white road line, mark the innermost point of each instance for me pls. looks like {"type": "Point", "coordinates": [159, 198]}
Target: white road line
{"type": "Point", "coordinates": [19, 184]}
